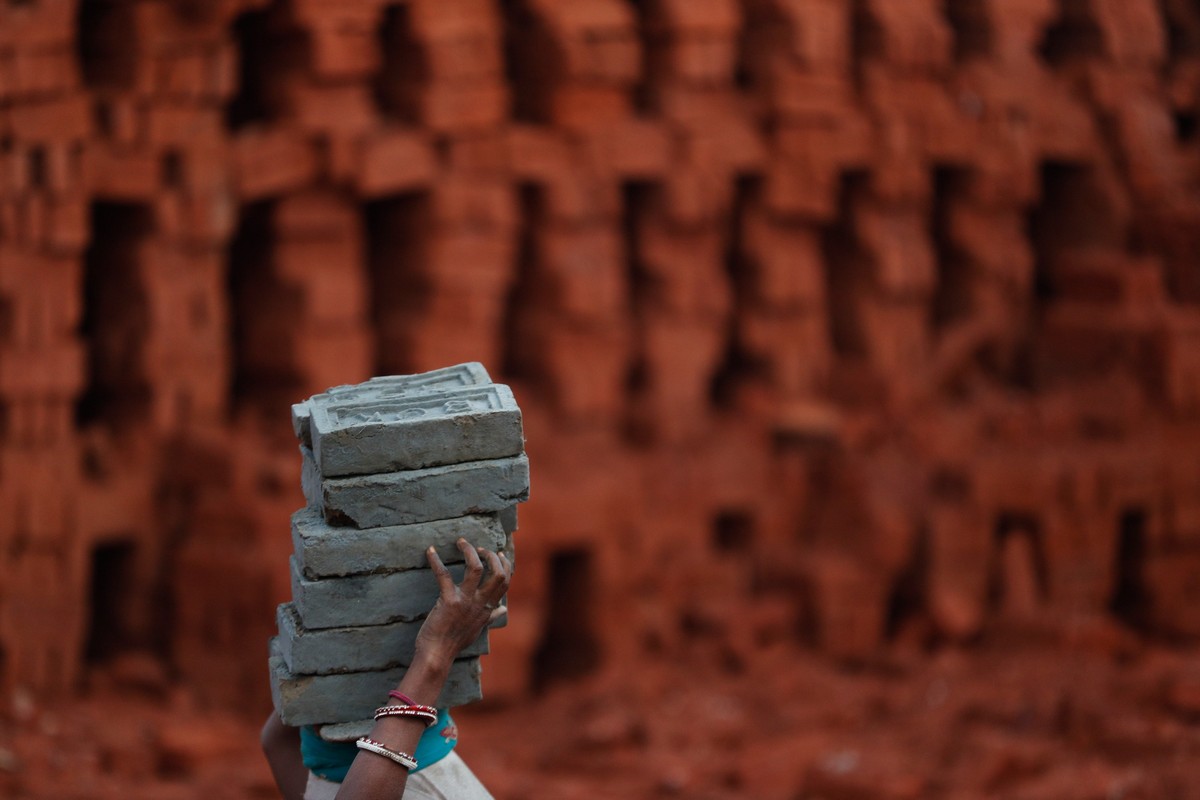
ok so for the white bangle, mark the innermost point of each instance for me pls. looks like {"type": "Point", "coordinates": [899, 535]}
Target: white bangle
{"type": "Point", "coordinates": [403, 759]}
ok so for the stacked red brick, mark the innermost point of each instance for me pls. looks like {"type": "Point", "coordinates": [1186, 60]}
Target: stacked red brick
{"type": "Point", "coordinates": [44, 125]}
{"type": "Point", "coordinates": [851, 297]}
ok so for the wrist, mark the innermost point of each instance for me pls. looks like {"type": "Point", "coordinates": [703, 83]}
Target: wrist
{"type": "Point", "coordinates": [432, 659]}
{"type": "Point", "coordinates": [425, 677]}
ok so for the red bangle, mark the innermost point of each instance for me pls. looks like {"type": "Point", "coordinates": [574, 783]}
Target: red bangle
{"type": "Point", "coordinates": [403, 698]}
{"type": "Point", "coordinates": [427, 713]}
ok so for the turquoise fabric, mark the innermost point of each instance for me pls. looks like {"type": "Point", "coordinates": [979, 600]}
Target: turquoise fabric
{"type": "Point", "coordinates": [328, 760]}
{"type": "Point", "coordinates": [437, 741]}
{"type": "Point", "coordinates": [331, 760]}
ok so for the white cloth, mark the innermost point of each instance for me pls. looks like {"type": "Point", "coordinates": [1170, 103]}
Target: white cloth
{"type": "Point", "coordinates": [448, 779]}
{"type": "Point", "coordinates": [320, 789]}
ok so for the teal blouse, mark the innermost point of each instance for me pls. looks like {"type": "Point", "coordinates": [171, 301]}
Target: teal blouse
{"type": "Point", "coordinates": [331, 760]}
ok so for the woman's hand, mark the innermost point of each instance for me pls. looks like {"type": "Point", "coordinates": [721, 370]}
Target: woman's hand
{"type": "Point", "coordinates": [456, 620]}
{"type": "Point", "coordinates": [462, 610]}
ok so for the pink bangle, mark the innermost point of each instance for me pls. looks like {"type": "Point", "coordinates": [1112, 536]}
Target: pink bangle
{"type": "Point", "coordinates": [403, 698]}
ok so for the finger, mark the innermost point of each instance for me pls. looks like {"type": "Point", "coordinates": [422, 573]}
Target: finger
{"type": "Point", "coordinates": [444, 579]}
{"type": "Point", "coordinates": [474, 572]}
{"type": "Point", "coordinates": [497, 581]}
{"type": "Point", "coordinates": [499, 612]}
{"type": "Point", "coordinates": [509, 567]}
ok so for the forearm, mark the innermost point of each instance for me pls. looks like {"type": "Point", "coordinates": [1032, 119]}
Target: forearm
{"type": "Point", "coordinates": [376, 777]}
{"type": "Point", "coordinates": [281, 746]}
{"type": "Point", "coordinates": [456, 620]}
{"type": "Point", "coordinates": [425, 678]}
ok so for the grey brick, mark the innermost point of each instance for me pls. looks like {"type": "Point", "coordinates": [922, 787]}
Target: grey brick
{"type": "Point", "coordinates": [310, 479]}
{"type": "Point", "coordinates": [351, 649]}
{"type": "Point", "coordinates": [469, 373]}
{"type": "Point", "coordinates": [423, 430]}
{"type": "Point", "coordinates": [327, 551]}
{"type": "Point", "coordinates": [365, 599]}
{"type": "Point", "coordinates": [389, 386]}
{"type": "Point", "coordinates": [508, 519]}
{"type": "Point", "coordinates": [510, 551]}
{"type": "Point", "coordinates": [503, 621]}
{"type": "Point", "coordinates": [346, 731]}
{"type": "Point", "coordinates": [420, 495]}
{"type": "Point", "coordinates": [302, 423]}
{"type": "Point", "coordinates": [351, 696]}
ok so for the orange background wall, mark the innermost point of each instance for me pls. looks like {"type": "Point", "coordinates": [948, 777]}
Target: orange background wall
{"type": "Point", "coordinates": [839, 324]}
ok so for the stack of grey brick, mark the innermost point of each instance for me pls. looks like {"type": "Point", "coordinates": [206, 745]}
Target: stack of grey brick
{"type": "Point", "coordinates": [390, 467]}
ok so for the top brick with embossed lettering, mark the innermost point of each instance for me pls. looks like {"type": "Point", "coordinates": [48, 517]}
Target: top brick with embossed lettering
{"type": "Point", "coordinates": [386, 387]}
{"type": "Point", "coordinates": [384, 430]}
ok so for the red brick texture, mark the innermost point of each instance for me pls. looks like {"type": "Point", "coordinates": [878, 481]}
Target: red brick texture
{"type": "Point", "coordinates": [885, 314]}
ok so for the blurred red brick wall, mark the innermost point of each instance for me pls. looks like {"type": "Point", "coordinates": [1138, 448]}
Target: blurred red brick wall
{"type": "Point", "coordinates": [831, 320]}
